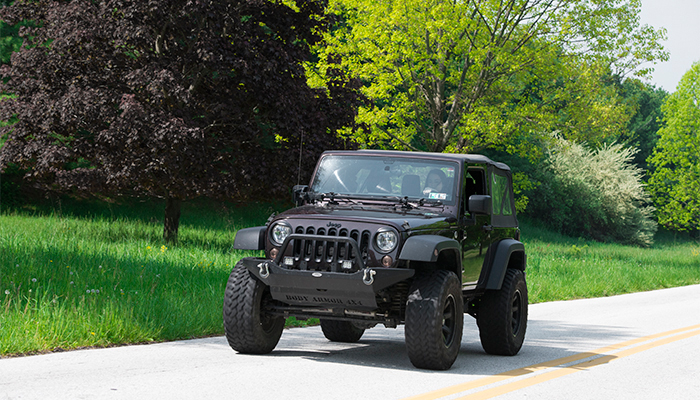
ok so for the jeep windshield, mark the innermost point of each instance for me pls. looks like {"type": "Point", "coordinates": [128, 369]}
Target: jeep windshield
{"type": "Point", "coordinates": [357, 177]}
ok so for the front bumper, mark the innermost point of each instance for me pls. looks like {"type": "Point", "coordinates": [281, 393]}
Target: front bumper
{"type": "Point", "coordinates": [356, 290]}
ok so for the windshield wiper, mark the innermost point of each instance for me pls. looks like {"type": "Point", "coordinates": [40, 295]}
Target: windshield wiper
{"type": "Point", "coordinates": [409, 204]}
{"type": "Point", "coordinates": [332, 197]}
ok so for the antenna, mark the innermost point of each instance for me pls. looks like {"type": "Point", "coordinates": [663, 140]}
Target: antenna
{"type": "Point", "coordinates": [301, 144]}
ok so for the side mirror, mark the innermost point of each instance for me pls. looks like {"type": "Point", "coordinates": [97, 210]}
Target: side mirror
{"type": "Point", "coordinates": [480, 204]}
{"type": "Point", "coordinates": [299, 194]}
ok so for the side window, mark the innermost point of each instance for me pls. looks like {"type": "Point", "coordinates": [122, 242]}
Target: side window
{"type": "Point", "coordinates": [501, 195]}
{"type": "Point", "coordinates": [474, 182]}
{"type": "Point", "coordinates": [497, 189]}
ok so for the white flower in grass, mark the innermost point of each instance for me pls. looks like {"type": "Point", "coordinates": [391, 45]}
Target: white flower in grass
{"type": "Point", "coordinates": [7, 292]}
{"type": "Point", "coordinates": [33, 279]}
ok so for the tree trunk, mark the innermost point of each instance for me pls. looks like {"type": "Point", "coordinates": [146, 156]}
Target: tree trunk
{"type": "Point", "coordinates": [172, 219]}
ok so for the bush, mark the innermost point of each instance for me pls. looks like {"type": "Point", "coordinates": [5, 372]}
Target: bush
{"type": "Point", "coordinates": [594, 193]}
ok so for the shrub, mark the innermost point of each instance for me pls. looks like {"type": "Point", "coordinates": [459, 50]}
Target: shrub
{"type": "Point", "coordinates": [594, 193]}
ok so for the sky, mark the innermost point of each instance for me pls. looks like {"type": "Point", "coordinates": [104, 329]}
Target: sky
{"type": "Point", "coordinates": [681, 18]}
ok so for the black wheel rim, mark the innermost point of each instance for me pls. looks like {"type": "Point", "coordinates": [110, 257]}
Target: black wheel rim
{"type": "Point", "coordinates": [517, 311]}
{"type": "Point", "coordinates": [449, 321]}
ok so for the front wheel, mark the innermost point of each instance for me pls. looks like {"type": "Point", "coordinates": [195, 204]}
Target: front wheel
{"type": "Point", "coordinates": [502, 316]}
{"type": "Point", "coordinates": [434, 320]}
{"type": "Point", "coordinates": [249, 328]}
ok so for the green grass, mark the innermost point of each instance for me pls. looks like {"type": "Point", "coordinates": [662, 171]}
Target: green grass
{"type": "Point", "coordinates": [88, 274]}
{"type": "Point", "coordinates": [563, 268]}
{"type": "Point", "coordinates": [97, 277]}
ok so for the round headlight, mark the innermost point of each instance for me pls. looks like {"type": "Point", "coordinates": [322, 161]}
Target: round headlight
{"type": "Point", "coordinates": [279, 232]}
{"type": "Point", "coordinates": [386, 240]}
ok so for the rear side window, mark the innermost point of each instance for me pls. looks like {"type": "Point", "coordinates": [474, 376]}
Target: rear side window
{"type": "Point", "coordinates": [501, 195]}
{"type": "Point", "coordinates": [502, 201]}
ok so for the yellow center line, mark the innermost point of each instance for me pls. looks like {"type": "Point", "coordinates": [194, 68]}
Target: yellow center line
{"type": "Point", "coordinates": [511, 387]}
{"type": "Point", "coordinates": [463, 387]}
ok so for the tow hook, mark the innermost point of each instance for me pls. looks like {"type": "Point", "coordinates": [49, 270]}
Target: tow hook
{"type": "Point", "coordinates": [368, 276]}
{"type": "Point", "coordinates": [264, 271]}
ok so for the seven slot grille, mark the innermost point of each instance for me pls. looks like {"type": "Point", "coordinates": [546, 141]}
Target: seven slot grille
{"type": "Point", "coordinates": [328, 255]}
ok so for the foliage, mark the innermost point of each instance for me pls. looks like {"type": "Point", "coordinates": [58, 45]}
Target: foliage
{"type": "Point", "coordinates": [169, 99]}
{"type": "Point", "coordinates": [637, 105]}
{"type": "Point", "coordinates": [462, 76]}
{"type": "Point", "coordinates": [594, 193]}
{"type": "Point", "coordinates": [642, 130]}
{"type": "Point", "coordinates": [9, 40]}
{"type": "Point", "coordinates": [675, 180]}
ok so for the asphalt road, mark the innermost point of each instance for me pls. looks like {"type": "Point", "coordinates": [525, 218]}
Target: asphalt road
{"type": "Point", "coordinates": [640, 346]}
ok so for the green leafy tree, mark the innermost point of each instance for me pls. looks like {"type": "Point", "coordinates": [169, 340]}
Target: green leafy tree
{"type": "Point", "coordinates": [644, 102]}
{"type": "Point", "coordinates": [675, 180]}
{"type": "Point", "coordinates": [9, 37]}
{"type": "Point", "coordinates": [9, 41]}
{"type": "Point", "coordinates": [465, 75]}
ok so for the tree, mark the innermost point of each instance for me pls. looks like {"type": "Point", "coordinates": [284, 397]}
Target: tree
{"type": "Point", "coordinates": [9, 40]}
{"type": "Point", "coordinates": [169, 98]}
{"type": "Point", "coordinates": [645, 103]}
{"type": "Point", "coordinates": [465, 75]}
{"type": "Point", "coordinates": [675, 180]}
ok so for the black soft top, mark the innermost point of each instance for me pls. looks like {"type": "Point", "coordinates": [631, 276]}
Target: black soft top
{"type": "Point", "coordinates": [469, 158]}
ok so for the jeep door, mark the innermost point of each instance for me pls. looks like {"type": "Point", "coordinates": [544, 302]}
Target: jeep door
{"type": "Point", "coordinates": [475, 235]}
{"type": "Point", "coordinates": [484, 231]}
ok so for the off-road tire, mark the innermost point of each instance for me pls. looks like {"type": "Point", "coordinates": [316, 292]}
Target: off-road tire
{"type": "Point", "coordinates": [249, 330]}
{"type": "Point", "coordinates": [434, 320]}
{"type": "Point", "coordinates": [502, 316]}
{"type": "Point", "coordinates": [341, 331]}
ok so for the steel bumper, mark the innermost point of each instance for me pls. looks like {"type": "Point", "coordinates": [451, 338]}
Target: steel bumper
{"type": "Point", "coordinates": [328, 289]}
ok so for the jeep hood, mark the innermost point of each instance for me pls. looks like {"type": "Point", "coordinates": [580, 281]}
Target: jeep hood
{"type": "Point", "coordinates": [416, 218]}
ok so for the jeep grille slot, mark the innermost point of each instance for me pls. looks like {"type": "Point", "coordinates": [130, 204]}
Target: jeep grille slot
{"type": "Point", "coordinates": [328, 255]}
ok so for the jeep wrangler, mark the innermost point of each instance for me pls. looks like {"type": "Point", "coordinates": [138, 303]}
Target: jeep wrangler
{"type": "Point", "coordinates": [391, 238]}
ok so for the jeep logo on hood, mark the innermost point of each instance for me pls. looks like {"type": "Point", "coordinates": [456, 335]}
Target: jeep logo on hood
{"type": "Point", "coordinates": [334, 225]}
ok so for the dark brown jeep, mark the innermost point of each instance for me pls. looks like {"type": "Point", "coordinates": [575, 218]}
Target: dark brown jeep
{"type": "Point", "coordinates": [387, 237]}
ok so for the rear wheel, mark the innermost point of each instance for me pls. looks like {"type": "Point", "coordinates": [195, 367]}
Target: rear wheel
{"type": "Point", "coordinates": [502, 316]}
{"type": "Point", "coordinates": [341, 331]}
{"type": "Point", "coordinates": [434, 320]}
{"type": "Point", "coordinates": [249, 328]}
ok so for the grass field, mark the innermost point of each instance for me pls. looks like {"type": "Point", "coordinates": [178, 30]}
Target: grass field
{"type": "Point", "coordinates": [561, 268]}
{"type": "Point", "coordinates": [86, 274]}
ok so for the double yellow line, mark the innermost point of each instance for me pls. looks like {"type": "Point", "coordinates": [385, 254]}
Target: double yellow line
{"type": "Point", "coordinates": [600, 356]}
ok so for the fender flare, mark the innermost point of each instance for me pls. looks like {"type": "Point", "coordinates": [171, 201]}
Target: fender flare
{"type": "Point", "coordinates": [427, 248]}
{"type": "Point", "coordinates": [504, 251]}
{"type": "Point", "coordinates": [250, 238]}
